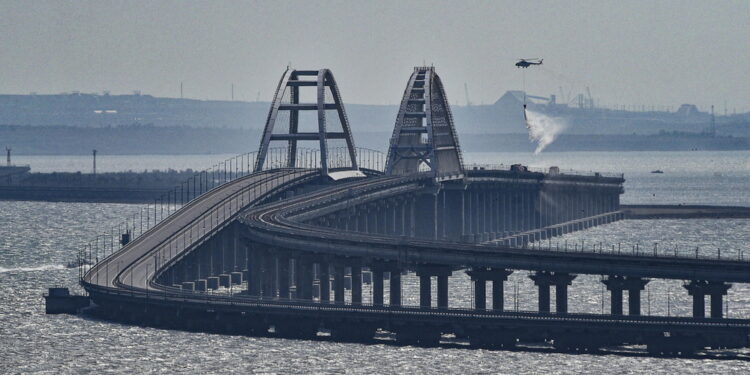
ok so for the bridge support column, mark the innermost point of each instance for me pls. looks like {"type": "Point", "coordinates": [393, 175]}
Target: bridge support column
{"type": "Point", "coordinates": [453, 214]}
{"type": "Point", "coordinates": [482, 205]}
{"type": "Point", "coordinates": [425, 274]}
{"type": "Point", "coordinates": [283, 276]}
{"type": "Point", "coordinates": [699, 289]}
{"type": "Point", "coordinates": [382, 215]}
{"type": "Point", "coordinates": [324, 281]}
{"type": "Point", "coordinates": [480, 276]}
{"type": "Point", "coordinates": [476, 216]}
{"type": "Point", "coordinates": [395, 287]}
{"type": "Point", "coordinates": [425, 288]}
{"type": "Point", "coordinates": [717, 291]}
{"type": "Point", "coordinates": [480, 293]}
{"type": "Point", "coordinates": [634, 286]}
{"type": "Point", "coordinates": [442, 289]}
{"type": "Point", "coordinates": [398, 217]}
{"type": "Point", "coordinates": [561, 281]}
{"type": "Point", "coordinates": [377, 285]}
{"type": "Point", "coordinates": [269, 275]}
{"type": "Point", "coordinates": [356, 285]}
{"type": "Point", "coordinates": [304, 278]}
{"type": "Point", "coordinates": [426, 213]}
{"type": "Point", "coordinates": [360, 217]}
{"type": "Point", "coordinates": [492, 206]}
{"type": "Point", "coordinates": [338, 283]}
{"type": "Point", "coordinates": [372, 219]}
{"type": "Point", "coordinates": [229, 251]}
{"type": "Point", "coordinates": [254, 269]}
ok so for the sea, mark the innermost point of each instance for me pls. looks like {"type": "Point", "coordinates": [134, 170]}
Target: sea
{"type": "Point", "coordinates": [37, 240]}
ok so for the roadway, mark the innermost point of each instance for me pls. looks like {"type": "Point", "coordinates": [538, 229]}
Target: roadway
{"type": "Point", "coordinates": [128, 274]}
{"type": "Point", "coordinates": [133, 266]}
{"type": "Point", "coordinates": [281, 224]}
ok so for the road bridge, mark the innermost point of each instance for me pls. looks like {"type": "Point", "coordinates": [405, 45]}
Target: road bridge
{"type": "Point", "coordinates": [286, 238]}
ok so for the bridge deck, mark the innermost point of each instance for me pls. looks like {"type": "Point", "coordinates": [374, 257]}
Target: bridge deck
{"type": "Point", "coordinates": [280, 222]}
{"type": "Point", "coordinates": [134, 265]}
{"type": "Point", "coordinates": [129, 273]}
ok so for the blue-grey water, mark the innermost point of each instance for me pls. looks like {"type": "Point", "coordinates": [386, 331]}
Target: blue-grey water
{"type": "Point", "coordinates": [38, 238]}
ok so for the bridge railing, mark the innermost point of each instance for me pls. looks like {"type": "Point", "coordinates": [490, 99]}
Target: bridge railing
{"type": "Point", "coordinates": [150, 215]}
{"type": "Point", "coordinates": [655, 250]}
{"type": "Point", "coordinates": [228, 297]}
{"type": "Point", "coordinates": [231, 203]}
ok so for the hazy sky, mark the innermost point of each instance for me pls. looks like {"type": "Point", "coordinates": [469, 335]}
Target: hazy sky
{"type": "Point", "coordinates": [627, 52]}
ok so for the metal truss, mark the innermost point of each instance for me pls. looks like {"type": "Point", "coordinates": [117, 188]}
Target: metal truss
{"type": "Point", "coordinates": [289, 87]}
{"type": "Point", "coordinates": [424, 136]}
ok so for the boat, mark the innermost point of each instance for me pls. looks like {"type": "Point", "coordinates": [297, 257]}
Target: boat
{"type": "Point", "coordinates": [657, 171]}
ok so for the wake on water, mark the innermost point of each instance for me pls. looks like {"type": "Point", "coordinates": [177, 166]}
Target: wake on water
{"type": "Point", "coordinates": [543, 129]}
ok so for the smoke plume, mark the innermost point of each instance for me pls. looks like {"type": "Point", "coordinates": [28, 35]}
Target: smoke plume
{"type": "Point", "coordinates": [543, 129]}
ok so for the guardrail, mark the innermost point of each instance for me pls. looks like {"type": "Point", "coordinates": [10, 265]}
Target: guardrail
{"type": "Point", "coordinates": [147, 217]}
{"type": "Point", "coordinates": [633, 250]}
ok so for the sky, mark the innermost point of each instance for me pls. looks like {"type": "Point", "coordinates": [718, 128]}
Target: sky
{"type": "Point", "coordinates": [654, 53]}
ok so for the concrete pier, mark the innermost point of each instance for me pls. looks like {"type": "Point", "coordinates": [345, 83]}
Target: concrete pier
{"type": "Point", "coordinates": [616, 285]}
{"type": "Point", "coordinates": [699, 289]}
{"type": "Point", "coordinates": [479, 277]}
{"type": "Point", "coordinates": [543, 280]}
{"type": "Point", "coordinates": [425, 274]}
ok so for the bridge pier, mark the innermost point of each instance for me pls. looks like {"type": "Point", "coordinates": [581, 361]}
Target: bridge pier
{"type": "Point", "coordinates": [698, 289]}
{"type": "Point", "coordinates": [228, 251]}
{"type": "Point", "coordinates": [399, 220]}
{"type": "Point", "coordinates": [254, 270]}
{"type": "Point", "coordinates": [453, 213]}
{"type": "Point", "coordinates": [634, 285]}
{"type": "Point", "coordinates": [480, 276]}
{"type": "Point", "coordinates": [395, 287]}
{"type": "Point", "coordinates": [324, 281]}
{"type": "Point", "coordinates": [303, 273]}
{"type": "Point", "coordinates": [378, 290]}
{"type": "Point", "coordinates": [356, 285]}
{"type": "Point", "coordinates": [427, 206]}
{"type": "Point", "coordinates": [283, 276]}
{"type": "Point", "coordinates": [377, 285]}
{"type": "Point", "coordinates": [236, 278]}
{"type": "Point", "coordinates": [338, 283]}
{"type": "Point", "coordinates": [270, 274]}
{"type": "Point", "coordinates": [212, 282]}
{"type": "Point", "coordinates": [561, 281]}
{"type": "Point", "coordinates": [425, 274]}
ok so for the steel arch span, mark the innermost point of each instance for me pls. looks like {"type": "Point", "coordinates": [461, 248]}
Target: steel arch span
{"type": "Point", "coordinates": [287, 100]}
{"type": "Point", "coordinates": [424, 135]}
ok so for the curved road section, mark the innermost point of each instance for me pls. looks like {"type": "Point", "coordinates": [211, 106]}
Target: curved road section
{"type": "Point", "coordinates": [127, 276]}
{"type": "Point", "coordinates": [133, 266]}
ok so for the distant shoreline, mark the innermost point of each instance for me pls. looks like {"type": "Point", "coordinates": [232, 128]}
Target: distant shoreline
{"type": "Point", "coordinates": [49, 140]}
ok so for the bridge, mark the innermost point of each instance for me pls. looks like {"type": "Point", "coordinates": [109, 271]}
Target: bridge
{"type": "Point", "coordinates": [282, 242]}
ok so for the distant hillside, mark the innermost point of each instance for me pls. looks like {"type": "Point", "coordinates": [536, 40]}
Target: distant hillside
{"type": "Point", "coordinates": [66, 140]}
{"type": "Point", "coordinates": [503, 116]}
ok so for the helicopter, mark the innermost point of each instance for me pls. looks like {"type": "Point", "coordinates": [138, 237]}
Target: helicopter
{"type": "Point", "coordinates": [525, 63]}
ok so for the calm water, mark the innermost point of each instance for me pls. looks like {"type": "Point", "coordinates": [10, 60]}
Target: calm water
{"type": "Point", "coordinates": [38, 238]}
{"type": "Point", "coordinates": [716, 177]}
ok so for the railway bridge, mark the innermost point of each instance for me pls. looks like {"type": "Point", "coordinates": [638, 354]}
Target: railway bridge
{"type": "Point", "coordinates": [299, 242]}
